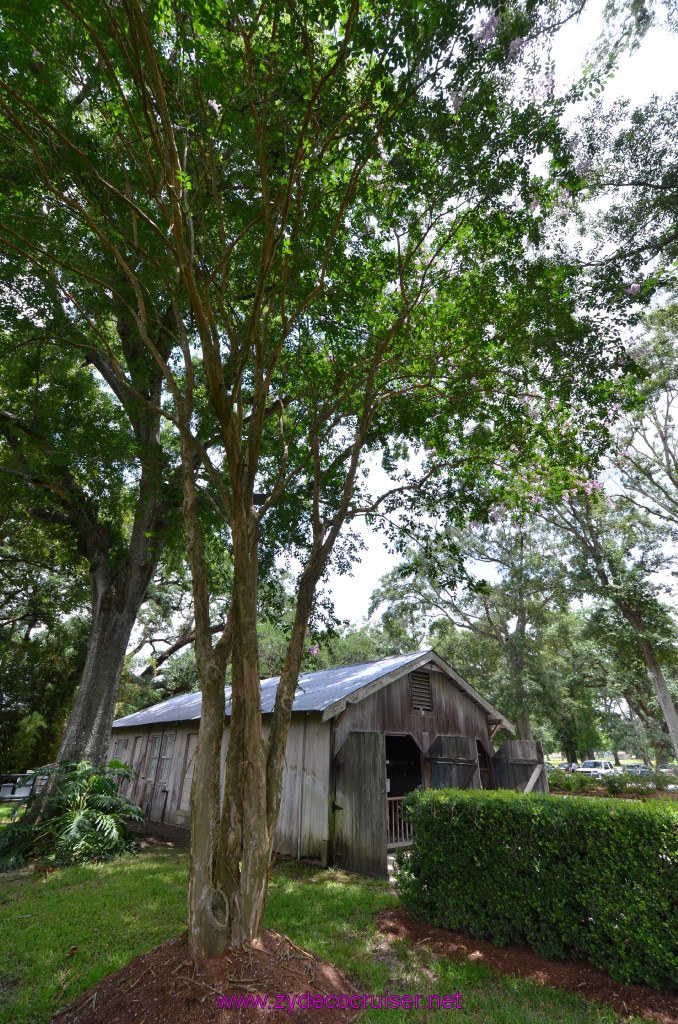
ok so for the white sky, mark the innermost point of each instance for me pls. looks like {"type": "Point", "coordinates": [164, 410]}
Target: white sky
{"type": "Point", "coordinates": [652, 70]}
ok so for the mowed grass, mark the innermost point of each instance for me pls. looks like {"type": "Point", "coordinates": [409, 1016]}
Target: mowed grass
{"type": "Point", "coordinates": [109, 912]}
{"type": "Point", "coordinates": [105, 914]}
{"type": "Point", "coordinates": [7, 811]}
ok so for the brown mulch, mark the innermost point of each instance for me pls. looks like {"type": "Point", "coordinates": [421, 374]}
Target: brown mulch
{"type": "Point", "coordinates": [581, 977]}
{"type": "Point", "coordinates": [167, 986]}
{"type": "Point", "coordinates": [156, 836]}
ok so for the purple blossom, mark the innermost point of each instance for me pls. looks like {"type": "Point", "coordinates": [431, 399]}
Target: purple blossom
{"type": "Point", "coordinates": [633, 289]}
{"type": "Point", "coordinates": [474, 380]}
{"type": "Point", "coordinates": [583, 166]}
{"type": "Point", "coordinates": [487, 31]}
{"type": "Point", "coordinates": [216, 107]}
{"type": "Point", "coordinates": [516, 45]}
{"type": "Point", "coordinates": [314, 649]}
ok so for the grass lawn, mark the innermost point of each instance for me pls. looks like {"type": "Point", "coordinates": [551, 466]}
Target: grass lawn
{"type": "Point", "coordinates": [112, 912]}
{"type": "Point", "coordinates": [7, 812]}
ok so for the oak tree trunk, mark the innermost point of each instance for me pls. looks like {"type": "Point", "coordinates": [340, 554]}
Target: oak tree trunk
{"type": "Point", "coordinates": [654, 670]}
{"type": "Point", "coordinates": [88, 730]}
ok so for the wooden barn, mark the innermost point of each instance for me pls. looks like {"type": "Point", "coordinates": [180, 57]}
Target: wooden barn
{"type": "Point", "coordinates": [361, 737]}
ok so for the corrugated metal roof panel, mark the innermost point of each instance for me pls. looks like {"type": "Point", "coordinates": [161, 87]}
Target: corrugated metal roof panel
{"type": "Point", "coordinates": [316, 691]}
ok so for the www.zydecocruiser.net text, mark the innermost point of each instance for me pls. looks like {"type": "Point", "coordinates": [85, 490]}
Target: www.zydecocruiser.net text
{"type": "Point", "coordinates": [387, 1001]}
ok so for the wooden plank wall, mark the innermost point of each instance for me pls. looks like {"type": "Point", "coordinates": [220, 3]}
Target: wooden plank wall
{"type": "Point", "coordinates": [306, 781]}
{"type": "Point", "coordinates": [360, 819]}
{"type": "Point", "coordinates": [388, 711]}
{"type": "Point", "coordinates": [453, 763]}
{"type": "Point", "coordinates": [158, 800]}
{"type": "Point", "coordinates": [514, 763]}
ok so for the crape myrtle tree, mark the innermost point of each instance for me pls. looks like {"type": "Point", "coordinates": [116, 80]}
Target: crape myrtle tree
{"type": "Point", "coordinates": [338, 204]}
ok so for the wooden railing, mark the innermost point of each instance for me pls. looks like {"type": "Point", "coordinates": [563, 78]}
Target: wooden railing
{"type": "Point", "coordinates": [399, 830]}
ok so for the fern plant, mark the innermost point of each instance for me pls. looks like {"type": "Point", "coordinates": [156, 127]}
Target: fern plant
{"type": "Point", "coordinates": [82, 819]}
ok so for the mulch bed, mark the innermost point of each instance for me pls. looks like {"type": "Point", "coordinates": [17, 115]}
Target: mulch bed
{"type": "Point", "coordinates": [578, 977]}
{"type": "Point", "coordinates": [155, 836]}
{"type": "Point", "coordinates": [167, 986]}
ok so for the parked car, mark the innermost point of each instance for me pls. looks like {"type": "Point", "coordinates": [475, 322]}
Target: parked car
{"type": "Point", "coordinates": [568, 766]}
{"type": "Point", "coordinates": [549, 767]}
{"type": "Point", "coordinates": [597, 769]}
{"type": "Point", "coordinates": [668, 769]}
{"type": "Point", "coordinates": [637, 769]}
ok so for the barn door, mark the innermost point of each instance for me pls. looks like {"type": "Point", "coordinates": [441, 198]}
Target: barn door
{"type": "Point", "coordinates": [360, 804]}
{"type": "Point", "coordinates": [135, 764]}
{"type": "Point", "coordinates": [158, 771]}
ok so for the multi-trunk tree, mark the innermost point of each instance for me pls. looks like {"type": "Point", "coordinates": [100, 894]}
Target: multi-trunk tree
{"type": "Point", "coordinates": [333, 211]}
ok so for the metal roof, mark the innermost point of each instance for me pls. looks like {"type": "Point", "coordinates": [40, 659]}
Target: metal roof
{"type": "Point", "coordinates": [327, 691]}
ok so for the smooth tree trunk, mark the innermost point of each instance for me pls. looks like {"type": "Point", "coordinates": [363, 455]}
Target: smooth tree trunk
{"type": "Point", "coordinates": [524, 725]}
{"type": "Point", "coordinates": [515, 650]}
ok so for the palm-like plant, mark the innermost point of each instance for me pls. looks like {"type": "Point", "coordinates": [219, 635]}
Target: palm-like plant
{"type": "Point", "coordinates": [82, 819]}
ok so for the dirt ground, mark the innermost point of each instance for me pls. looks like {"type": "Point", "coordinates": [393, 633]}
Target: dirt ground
{"type": "Point", "coordinates": [167, 986]}
{"type": "Point", "coordinates": [580, 977]}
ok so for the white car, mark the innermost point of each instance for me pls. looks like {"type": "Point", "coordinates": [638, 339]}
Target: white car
{"type": "Point", "coordinates": [598, 769]}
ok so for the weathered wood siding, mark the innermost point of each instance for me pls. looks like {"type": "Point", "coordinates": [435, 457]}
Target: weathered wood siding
{"type": "Point", "coordinates": [306, 779]}
{"type": "Point", "coordinates": [306, 785]}
{"type": "Point", "coordinates": [158, 786]}
{"type": "Point", "coordinates": [389, 711]}
{"type": "Point", "coordinates": [453, 763]}
{"type": "Point", "coordinates": [360, 804]}
{"type": "Point", "coordinates": [515, 762]}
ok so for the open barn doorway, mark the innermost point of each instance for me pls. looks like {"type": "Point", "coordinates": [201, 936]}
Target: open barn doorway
{"type": "Point", "coordinates": [403, 775]}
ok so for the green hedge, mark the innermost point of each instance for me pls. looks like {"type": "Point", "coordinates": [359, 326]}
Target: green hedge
{"type": "Point", "coordinates": [572, 878]}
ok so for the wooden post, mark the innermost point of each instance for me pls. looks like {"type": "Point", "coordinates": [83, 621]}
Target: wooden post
{"type": "Point", "coordinates": [533, 778]}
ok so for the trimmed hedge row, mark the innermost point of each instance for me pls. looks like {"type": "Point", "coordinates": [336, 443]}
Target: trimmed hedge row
{"type": "Point", "coordinates": [572, 878]}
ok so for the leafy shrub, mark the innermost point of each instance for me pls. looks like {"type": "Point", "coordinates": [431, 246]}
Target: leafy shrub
{"type": "Point", "coordinates": [635, 785]}
{"type": "Point", "coordinates": [81, 820]}
{"type": "Point", "coordinates": [614, 784]}
{"type": "Point", "coordinates": [573, 878]}
{"type": "Point", "coordinates": [572, 782]}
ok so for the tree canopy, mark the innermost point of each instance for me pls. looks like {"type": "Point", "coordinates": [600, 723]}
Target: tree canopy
{"type": "Point", "coordinates": [302, 234]}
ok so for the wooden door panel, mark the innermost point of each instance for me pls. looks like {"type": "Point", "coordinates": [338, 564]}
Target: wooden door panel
{"type": "Point", "coordinates": [360, 804]}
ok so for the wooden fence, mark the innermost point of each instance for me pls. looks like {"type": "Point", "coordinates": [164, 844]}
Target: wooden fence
{"type": "Point", "coordinates": [399, 830]}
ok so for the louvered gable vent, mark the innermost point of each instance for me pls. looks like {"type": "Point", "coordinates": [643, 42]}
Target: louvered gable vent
{"type": "Point", "coordinates": [420, 691]}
